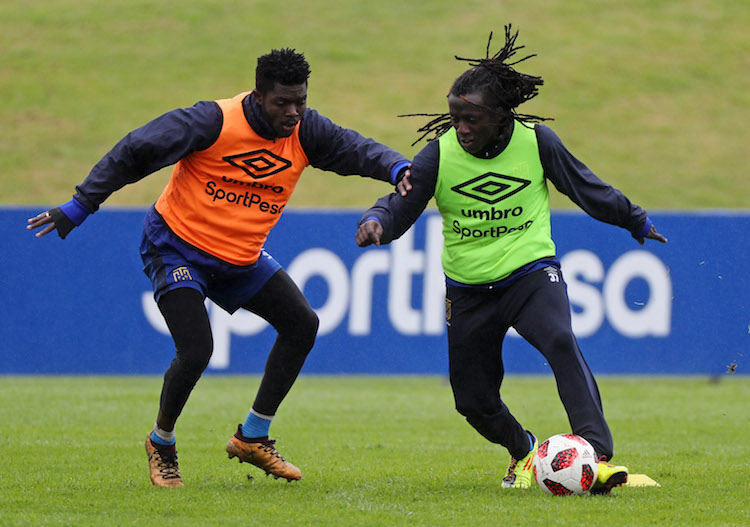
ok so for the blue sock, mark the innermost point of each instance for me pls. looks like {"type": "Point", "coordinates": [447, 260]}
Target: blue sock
{"type": "Point", "coordinates": [159, 441]}
{"type": "Point", "coordinates": [256, 425]}
{"type": "Point", "coordinates": [531, 440]}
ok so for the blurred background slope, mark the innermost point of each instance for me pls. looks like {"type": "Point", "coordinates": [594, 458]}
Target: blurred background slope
{"type": "Point", "coordinates": [652, 95]}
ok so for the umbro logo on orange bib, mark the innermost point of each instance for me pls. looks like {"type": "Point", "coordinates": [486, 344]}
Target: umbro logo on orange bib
{"type": "Point", "coordinates": [259, 164]}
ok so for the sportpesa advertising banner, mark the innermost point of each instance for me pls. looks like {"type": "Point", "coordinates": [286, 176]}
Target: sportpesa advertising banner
{"type": "Point", "coordinates": [84, 306]}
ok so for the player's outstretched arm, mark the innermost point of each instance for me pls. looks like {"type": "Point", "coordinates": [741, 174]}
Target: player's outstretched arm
{"type": "Point", "coordinates": [369, 232]}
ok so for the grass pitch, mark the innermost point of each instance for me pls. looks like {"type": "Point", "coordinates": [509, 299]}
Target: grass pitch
{"type": "Point", "coordinates": [373, 451]}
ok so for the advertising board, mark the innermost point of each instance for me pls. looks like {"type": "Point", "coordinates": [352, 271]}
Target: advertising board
{"type": "Point", "coordinates": [83, 305]}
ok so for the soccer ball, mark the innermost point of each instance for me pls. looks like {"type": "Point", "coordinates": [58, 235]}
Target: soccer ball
{"type": "Point", "coordinates": [565, 464]}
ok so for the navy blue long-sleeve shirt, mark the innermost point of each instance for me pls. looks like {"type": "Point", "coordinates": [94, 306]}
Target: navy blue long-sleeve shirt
{"type": "Point", "coordinates": [176, 134]}
{"type": "Point", "coordinates": [570, 176]}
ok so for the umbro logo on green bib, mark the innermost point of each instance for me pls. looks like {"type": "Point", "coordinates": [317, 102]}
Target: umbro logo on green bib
{"type": "Point", "coordinates": [491, 187]}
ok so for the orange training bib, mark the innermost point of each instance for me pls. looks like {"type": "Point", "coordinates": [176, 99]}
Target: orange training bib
{"type": "Point", "coordinates": [226, 199]}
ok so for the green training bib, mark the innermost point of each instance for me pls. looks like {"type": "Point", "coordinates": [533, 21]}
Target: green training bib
{"type": "Point", "coordinates": [496, 215]}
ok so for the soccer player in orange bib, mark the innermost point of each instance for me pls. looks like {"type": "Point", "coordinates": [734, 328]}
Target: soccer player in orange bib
{"type": "Point", "coordinates": [236, 163]}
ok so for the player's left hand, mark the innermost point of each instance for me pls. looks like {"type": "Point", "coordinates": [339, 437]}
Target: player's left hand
{"type": "Point", "coordinates": [652, 235]}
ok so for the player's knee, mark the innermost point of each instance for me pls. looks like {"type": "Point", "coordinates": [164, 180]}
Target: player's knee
{"type": "Point", "coordinates": [469, 413]}
{"type": "Point", "coordinates": [196, 352]}
{"type": "Point", "coordinates": [471, 398]}
{"type": "Point", "coordinates": [186, 317]}
{"type": "Point", "coordinates": [309, 324]}
{"type": "Point", "coordinates": [561, 339]}
{"type": "Point", "coordinates": [302, 327]}
{"type": "Point", "coordinates": [470, 408]}
{"type": "Point", "coordinates": [185, 372]}
{"type": "Point", "coordinates": [482, 423]}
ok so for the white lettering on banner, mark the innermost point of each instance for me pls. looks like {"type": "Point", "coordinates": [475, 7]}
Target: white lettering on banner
{"type": "Point", "coordinates": [584, 264]}
{"type": "Point", "coordinates": [433, 303]}
{"type": "Point", "coordinates": [653, 319]}
{"type": "Point", "coordinates": [402, 263]}
{"type": "Point", "coordinates": [431, 319]}
{"type": "Point", "coordinates": [355, 295]}
{"type": "Point", "coordinates": [363, 278]}
{"type": "Point", "coordinates": [405, 262]}
{"type": "Point", "coordinates": [596, 295]}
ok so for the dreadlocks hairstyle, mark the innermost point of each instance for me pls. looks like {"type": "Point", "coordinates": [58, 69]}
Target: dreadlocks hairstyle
{"type": "Point", "coordinates": [284, 66]}
{"type": "Point", "coordinates": [504, 88]}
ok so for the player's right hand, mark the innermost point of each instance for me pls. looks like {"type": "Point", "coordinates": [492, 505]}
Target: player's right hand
{"type": "Point", "coordinates": [54, 219]}
{"type": "Point", "coordinates": [368, 233]}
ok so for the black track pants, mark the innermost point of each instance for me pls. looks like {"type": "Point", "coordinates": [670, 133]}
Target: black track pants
{"type": "Point", "coordinates": [537, 307]}
{"type": "Point", "coordinates": [279, 301]}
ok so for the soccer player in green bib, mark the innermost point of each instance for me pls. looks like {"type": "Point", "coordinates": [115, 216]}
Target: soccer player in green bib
{"type": "Point", "coordinates": [487, 167]}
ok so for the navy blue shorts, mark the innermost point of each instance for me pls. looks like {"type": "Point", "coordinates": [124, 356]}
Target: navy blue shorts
{"type": "Point", "coordinates": [170, 263]}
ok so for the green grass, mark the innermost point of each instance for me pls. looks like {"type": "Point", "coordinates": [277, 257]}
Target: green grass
{"type": "Point", "coordinates": [651, 94]}
{"type": "Point", "coordinates": [373, 451]}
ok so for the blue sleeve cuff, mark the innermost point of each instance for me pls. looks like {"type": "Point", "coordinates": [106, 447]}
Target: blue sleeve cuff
{"type": "Point", "coordinates": [396, 169]}
{"type": "Point", "coordinates": [645, 229]}
{"type": "Point", "coordinates": [75, 211]}
{"type": "Point", "coordinates": [368, 218]}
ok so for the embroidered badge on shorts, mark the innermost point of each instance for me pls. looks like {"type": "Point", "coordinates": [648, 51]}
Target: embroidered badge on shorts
{"type": "Point", "coordinates": [180, 274]}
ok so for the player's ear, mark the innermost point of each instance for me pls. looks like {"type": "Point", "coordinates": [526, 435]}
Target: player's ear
{"type": "Point", "coordinates": [258, 96]}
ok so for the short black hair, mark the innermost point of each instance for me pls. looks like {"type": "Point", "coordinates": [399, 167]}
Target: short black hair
{"type": "Point", "coordinates": [284, 66]}
{"type": "Point", "coordinates": [504, 88]}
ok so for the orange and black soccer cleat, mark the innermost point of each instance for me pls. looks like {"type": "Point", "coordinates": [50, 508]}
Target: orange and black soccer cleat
{"type": "Point", "coordinates": [162, 463]}
{"type": "Point", "coordinates": [263, 455]}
